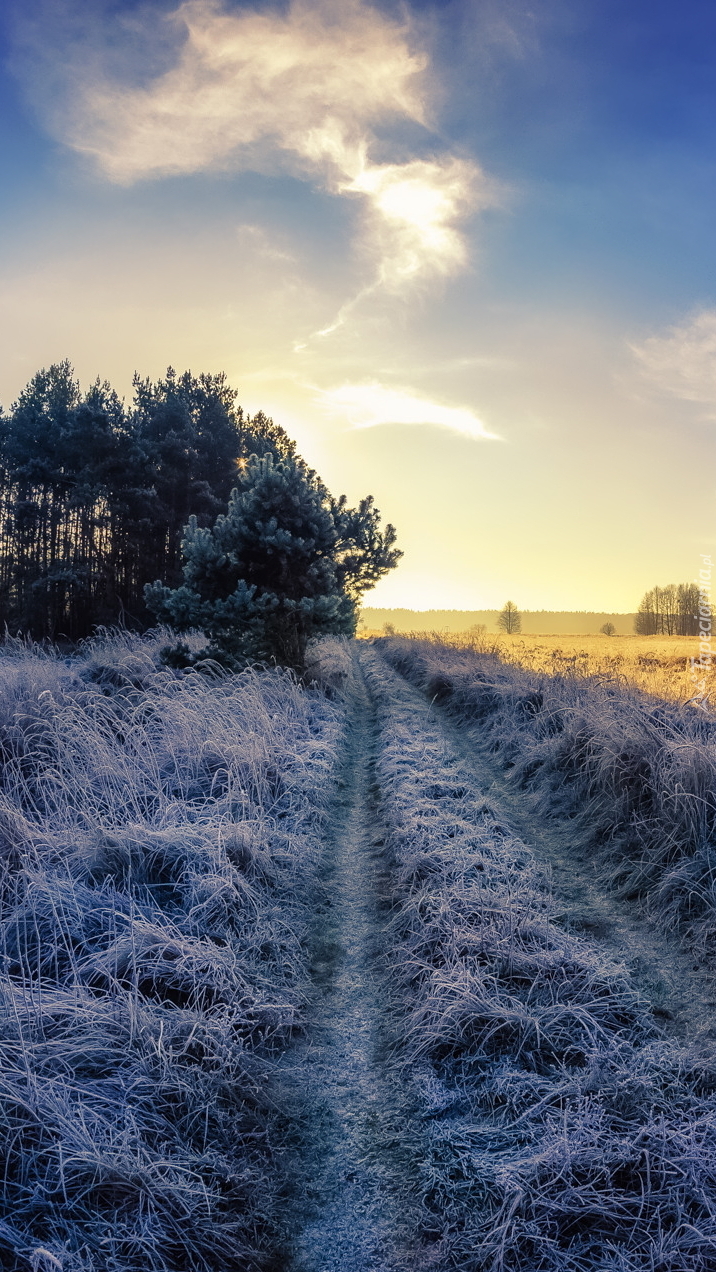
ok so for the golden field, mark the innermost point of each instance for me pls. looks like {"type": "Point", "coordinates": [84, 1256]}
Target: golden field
{"type": "Point", "coordinates": [660, 665]}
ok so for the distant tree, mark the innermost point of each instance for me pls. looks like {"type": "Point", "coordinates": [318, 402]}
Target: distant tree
{"type": "Point", "coordinates": [608, 629]}
{"type": "Point", "coordinates": [689, 601]}
{"type": "Point", "coordinates": [283, 564]}
{"type": "Point", "coordinates": [669, 609]}
{"type": "Point", "coordinates": [510, 620]}
{"type": "Point", "coordinates": [648, 616]}
{"type": "Point", "coordinates": [672, 610]}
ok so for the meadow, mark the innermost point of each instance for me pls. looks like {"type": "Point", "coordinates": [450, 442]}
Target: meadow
{"type": "Point", "coordinates": [659, 665]}
{"type": "Point", "coordinates": [639, 771]}
{"type": "Point", "coordinates": [566, 1134]}
{"type": "Point", "coordinates": [287, 983]}
{"type": "Point", "coordinates": [159, 840]}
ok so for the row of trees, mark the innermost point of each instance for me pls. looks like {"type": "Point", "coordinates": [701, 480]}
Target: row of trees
{"type": "Point", "coordinates": [669, 611]}
{"type": "Point", "coordinates": [95, 497]}
{"type": "Point", "coordinates": [673, 610]}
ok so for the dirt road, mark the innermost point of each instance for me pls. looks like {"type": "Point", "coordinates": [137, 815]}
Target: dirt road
{"type": "Point", "coordinates": [358, 1205]}
{"type": "Point", "coordinates": [682, 995]}
{"type": "Point", "coordinates": [357, 1163]}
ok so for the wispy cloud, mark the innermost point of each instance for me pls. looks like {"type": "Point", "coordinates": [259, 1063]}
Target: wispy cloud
{"type": "Point", "coordinates": [416, 208]}
{"type": "Point", "coordinates": [369, 405]}
{"type": "Point", "coordinates": [307, 90]}
{"type": "Point", "coordinates": [682, 361]}
{"type": "Point", "coordinates": [256, 239]}
{"type": "Point", "coordinates": [308, 82]}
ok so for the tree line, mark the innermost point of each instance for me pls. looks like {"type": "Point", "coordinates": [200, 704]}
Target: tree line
{"type": "Point", "coordinates": [96, 495]}
{"type": "Point", "coordinates": [672, 610]}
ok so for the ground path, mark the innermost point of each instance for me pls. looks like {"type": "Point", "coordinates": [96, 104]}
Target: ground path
{"type": "Point", "coordinates": [357, 1207]}
{"type": "Point", "coordinates": [364, 1134]}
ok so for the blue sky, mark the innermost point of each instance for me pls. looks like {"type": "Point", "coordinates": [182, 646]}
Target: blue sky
{"type": "Point", "coordinates": [464, 252]}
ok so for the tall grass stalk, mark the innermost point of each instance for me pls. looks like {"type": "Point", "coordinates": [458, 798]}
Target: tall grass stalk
{"type": "Point", "coordinates": [637, 774]}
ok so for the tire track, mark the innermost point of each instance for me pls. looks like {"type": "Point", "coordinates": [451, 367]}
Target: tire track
{"type": "Point", "coordinates": [568, 1134]}
{"type": "Point", "coordinates": [373, 1137]}
{"type": "Point", "coordinates": [682, 992]}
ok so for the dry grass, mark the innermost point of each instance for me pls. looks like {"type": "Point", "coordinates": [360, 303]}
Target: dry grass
{"type": "Point", "coordinates": [158, 838]}
{"type": "Point", "coordinates": [564, 1134]}
{"type": "Point", "coordinates": [640, 772]}
{"type": "Point", "coordinates": [658, 665]}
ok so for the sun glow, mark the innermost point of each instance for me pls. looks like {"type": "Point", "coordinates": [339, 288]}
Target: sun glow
{"type": "Point", "coordinates": [416, 207]}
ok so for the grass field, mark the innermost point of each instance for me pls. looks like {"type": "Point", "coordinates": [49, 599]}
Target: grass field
{"type": "Point", "coordinates": [659, 665]}
{"type": "Point", "coordinates": [641, 772]}
{"type": "Point", "coordinates": [287, 981]}
{"type": "Point", "coordinates": [158, 840]}
{"type": "Point", "coordinates": [565, 1133]}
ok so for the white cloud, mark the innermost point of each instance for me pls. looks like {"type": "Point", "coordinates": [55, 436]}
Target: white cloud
{"type": "Point", "coordinates": [416, 208]}
{"type": "Point", "coordinates": [369, 405]}
{"type": "Point", "coordinates": [306, 89]}
{"type": "Point", "coordinates": [682, 362]}
{"type": "Point", "coordinates": [309, 82]}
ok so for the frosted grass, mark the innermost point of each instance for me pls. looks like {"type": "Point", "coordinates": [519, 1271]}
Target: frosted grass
{"type": "Point", "coordinates": [566, 1135]}
{"type": "Point", "coordinates": [158, 836]}
{"type": "Point", "coordinates": [638, 773]}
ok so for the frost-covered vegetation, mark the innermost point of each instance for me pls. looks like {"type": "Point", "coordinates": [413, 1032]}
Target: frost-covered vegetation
{"type": "Point", "coordinates": [640, 773]}
{"type": "Point", "coordinates": [566, 1134]}
{"type": "Point", "coordinates": [657, 665]}
{"type": "Point", "coordinates": [159, 835]}
{"type": "Point", "coordinates": [166, 866]}
{"type": "Point", "coordinates": [285, 565]}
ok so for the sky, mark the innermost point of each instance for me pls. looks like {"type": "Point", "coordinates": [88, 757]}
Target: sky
{"type": "Point", "coordinates": [464, 252]}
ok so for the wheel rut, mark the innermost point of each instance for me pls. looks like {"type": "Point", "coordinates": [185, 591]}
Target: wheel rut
{"type": "Point", "coordinates": [681, 991]}
{"type": "Point", "coordinates": [355, 1206]}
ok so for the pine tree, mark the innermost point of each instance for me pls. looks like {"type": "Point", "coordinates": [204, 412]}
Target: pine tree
{"type": "Point", "coordinates": [94, 496]}
{"type": "Point", "coordinates": [55, 447]}
{"type": "Point", "coordinates": [284, 564]}
{"type": "Point", "coordinates": [94, 499]}
{"type": "Point", "coordinates": [364, 552]}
